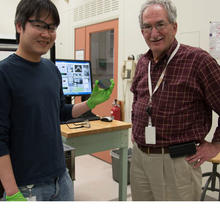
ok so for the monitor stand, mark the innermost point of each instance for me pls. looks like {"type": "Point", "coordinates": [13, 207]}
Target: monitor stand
{"type": "Point", "coordinates": [84, 97]}
{"type": "Point", "coordinates": [68, 99]}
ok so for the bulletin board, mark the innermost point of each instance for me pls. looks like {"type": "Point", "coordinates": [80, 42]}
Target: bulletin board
{"type": "Point", "coordinates": [214, 39]}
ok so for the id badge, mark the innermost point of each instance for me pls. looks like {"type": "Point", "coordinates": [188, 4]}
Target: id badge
{"type": "Point", "coordinates": [150, 135]}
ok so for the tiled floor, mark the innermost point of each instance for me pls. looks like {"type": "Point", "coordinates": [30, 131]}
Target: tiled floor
{"type": "Point", "coordinates": [94, 180]}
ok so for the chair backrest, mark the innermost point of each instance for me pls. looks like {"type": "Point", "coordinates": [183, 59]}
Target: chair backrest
{"type": "Point", "coordinates": [215, 159]}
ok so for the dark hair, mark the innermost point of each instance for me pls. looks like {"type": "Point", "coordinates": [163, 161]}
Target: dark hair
{"type": "Point", "coordinates": [28, 8]}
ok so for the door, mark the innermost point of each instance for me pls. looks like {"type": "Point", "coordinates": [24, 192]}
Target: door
{"type": "Point", "coordinates": [100, 45]}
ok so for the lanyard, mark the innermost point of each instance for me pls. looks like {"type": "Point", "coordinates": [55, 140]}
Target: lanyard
{"type": "Point", "coordinates": [158, 82]}
{"type": "Point", "coordinates": [162, 74]}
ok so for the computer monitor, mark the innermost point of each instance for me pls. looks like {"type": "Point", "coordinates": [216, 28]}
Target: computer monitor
{"type": "Point", "coordinates": [7, 47]}
{"type": "Point", "coordinates": [76, 76]}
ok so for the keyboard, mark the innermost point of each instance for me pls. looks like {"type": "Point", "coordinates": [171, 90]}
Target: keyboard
{"type": "Point", "coordinates": [86, 116]}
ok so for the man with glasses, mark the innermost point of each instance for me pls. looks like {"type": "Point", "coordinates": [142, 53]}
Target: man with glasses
{"type": "Point", "coordinates": [32, 163]}
{"type": "Point", "coordinates": [175, 89]}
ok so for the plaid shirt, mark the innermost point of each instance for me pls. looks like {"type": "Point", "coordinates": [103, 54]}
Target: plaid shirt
{"type": "Point", "coordinates": [182, 106]}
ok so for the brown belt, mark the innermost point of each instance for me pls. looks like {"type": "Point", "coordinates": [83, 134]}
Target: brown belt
{"type": "Point", "coordinates": [153, 150]}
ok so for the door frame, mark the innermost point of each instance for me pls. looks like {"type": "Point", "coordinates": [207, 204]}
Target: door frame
{"type": "Point", "coordinates": [82, 42]}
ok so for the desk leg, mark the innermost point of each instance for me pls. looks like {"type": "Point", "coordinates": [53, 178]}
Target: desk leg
{"type": "Point", "coordinates": [123, 174]}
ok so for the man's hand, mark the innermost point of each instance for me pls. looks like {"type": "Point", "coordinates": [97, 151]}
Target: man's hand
{"type": "Point", "coordinates": [99, 95]}
{"type": "Point", "coordinates": [205, 151]}
{"type": "Point", "coordinates": [16, 197]}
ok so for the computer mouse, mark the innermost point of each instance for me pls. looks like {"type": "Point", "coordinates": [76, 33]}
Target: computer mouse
{"type": "Point", "coordinates": [106, 119]}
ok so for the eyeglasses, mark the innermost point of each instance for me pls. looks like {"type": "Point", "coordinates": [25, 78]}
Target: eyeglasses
{"type": "Point", "coordinates": [42, 26]}
{"type": "Point", "coordinates": [84, 124]}
{"type": "Point", "coordinates": [159, 27]}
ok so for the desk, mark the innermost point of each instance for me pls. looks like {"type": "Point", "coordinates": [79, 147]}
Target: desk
{"type": "Point", "coordinates": [99, 137]}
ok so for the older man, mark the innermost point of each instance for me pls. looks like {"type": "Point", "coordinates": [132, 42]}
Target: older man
{"type": "Point", "coordinates": [175, 89]}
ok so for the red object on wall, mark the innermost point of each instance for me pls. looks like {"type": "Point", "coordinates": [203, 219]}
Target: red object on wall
{"type": "Point", "coordinates": [116, 111]}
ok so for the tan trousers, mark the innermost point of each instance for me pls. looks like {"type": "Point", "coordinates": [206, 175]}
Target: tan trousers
{"type": "Point", "coordinates": [158, 177]}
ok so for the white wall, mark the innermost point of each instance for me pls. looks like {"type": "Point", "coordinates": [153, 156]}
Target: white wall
{"type": "Point", "coordinates": [193, 28]}
{"type": "Point", "coordinates": [7, 13]}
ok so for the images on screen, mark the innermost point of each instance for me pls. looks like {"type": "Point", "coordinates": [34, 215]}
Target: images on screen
{"type": "Point", "coordinates": [76, 77]}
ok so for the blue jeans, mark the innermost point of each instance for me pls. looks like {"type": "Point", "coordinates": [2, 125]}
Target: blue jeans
{"type": "Point", "coordinates": [59, 189]}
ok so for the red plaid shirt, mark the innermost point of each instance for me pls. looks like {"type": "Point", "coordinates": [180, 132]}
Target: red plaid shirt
{"type": "Point", "coordinates": [182, 106]}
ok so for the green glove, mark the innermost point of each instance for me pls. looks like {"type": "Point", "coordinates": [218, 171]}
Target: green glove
{"type": "Point", "coordinates": [99, 95]}
{"type": "Point", "coordinates": [16, 197]}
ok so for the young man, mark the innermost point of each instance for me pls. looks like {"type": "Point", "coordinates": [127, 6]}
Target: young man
{"type": "Point", "coordinates": [175, 88]}
{"type": "Point", "coordinates": [32, 163]}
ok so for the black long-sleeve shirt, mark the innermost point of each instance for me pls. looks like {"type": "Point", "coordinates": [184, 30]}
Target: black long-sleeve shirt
{"type": "Point", "coordinates": [31, 107]}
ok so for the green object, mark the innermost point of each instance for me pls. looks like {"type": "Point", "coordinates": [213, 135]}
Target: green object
{"type": "Point", "coordinates": [99, 95]}
{"type": "Point", "coordinates": [16, 197]}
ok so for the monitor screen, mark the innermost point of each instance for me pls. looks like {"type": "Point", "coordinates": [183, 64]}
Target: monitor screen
{"type": "Point", "coordinates": [76, 76]}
